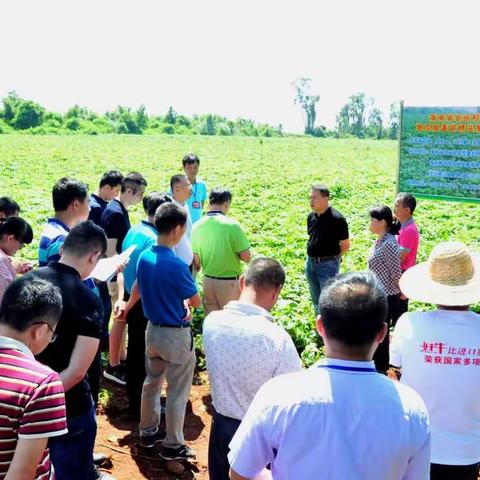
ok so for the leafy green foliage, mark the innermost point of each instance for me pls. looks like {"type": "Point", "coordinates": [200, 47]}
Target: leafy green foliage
{"type": "Point", "coordinates": [270, 180]}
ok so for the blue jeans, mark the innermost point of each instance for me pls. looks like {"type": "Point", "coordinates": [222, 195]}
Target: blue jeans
{"type": "Point", "coordinates": [317, 276]}
{"type": "Point", "coordinates": [72, 454]}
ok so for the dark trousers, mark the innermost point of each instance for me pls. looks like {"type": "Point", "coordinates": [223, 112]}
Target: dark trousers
{"type": "Point", "coordinates": [93, 375]}
{"type": "Point", "coordinates": [454, 472]}
{"type": "Point", "coordinates": [107, 312]}
{"type": "Point", "coordinates": [381, 356]}
{"type": "Point", "coordinates": [135, 368]}
{"type": "Point", "coordinates": [72, 453]}
{"type": "Point", "coordinates": [222, 432]}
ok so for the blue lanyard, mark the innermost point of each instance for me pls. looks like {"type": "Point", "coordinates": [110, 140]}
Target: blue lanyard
{"type": "Point", "coordinates": [348, 369]}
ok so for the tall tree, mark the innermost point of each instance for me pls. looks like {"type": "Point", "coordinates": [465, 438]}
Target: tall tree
{"type": "Point", "coordinates": [307, 101]}
{"type": "Point", "coordinates": [394, 121]}
{"type": "Point", "coordinates": [351, 118]}
{"type": "Point", "coordinates": [375, 122]}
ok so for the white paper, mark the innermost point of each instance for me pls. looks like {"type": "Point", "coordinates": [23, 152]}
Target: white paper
{"type": "Point", "coordinates": [107, 267]}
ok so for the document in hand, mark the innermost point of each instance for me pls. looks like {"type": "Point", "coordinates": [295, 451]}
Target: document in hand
{"type": "Point", "coordinates": [107, 267]}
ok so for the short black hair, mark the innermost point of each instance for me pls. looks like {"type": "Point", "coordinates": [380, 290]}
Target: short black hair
{"type": "Point", "coordinates": [219, 196]}
{"type": "Point", "coordinates": [321, 189]}
{"type": "Point", "coordinates": [408, 201]}
{"type": "Point", "coordinates": [9, 206]}
{"type": "Point", "coordinates": [112, 178]}
{"type": "Point", "coordinates": [29, 299]}
{"type": "Point", "coordinates": [133, 181]}
{"type": "Point", "coordinates": [384, 212]}
{"type": "Point", "coordinates": [155, 199]}
{"type": "Point", "coordinates": [353, 308]}
{"type": "Point", "coordinates": [65, 191]}
{"type": "Point", "coordinates": [169, 216]}
{"type": "Point", "coordinates": [176, 179]}
{"type": "Point", "coordinates": [265, 272]}
{"type": "Point", "coordinates": [85, 238]}
{"type": "Point", "coordinates": [18, 227]}
{"type": "Point", "coordinates": [190, 158]}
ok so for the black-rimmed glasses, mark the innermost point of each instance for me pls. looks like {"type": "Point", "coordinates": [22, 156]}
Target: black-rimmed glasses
{"type": "Point", "coordinates": [54, 335]}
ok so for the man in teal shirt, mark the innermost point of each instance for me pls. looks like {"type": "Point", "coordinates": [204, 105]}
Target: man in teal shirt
{"type": "Point", "coordinates": [191, 164]}
{"type": "Point", "coordinates": [144, 235]}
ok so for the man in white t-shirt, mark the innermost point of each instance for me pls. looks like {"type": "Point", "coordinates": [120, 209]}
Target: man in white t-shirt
{"type": "Point", "coordinates": [243, 349]}
{"type": "Point", "coordinates": [340, 419]}
{"type": "Point", "coordinates": [438, 354]}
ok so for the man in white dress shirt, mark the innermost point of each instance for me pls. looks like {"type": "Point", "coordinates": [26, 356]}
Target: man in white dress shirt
{"type": "Point", "coordinates": [339, 419]}
{"type": "Point", "coordinates": [244, 349]}
{"type": "Point", "coordinates": [181, 189]}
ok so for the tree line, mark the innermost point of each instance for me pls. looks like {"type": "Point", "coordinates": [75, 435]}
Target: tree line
{"type": "Point", "coordinates": [20, 115]}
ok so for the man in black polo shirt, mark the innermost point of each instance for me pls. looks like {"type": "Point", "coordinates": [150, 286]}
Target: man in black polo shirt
{"type": "Point", "coordinates": [74, 350]}
{"type": "Point", "coordinates": [327, 241]}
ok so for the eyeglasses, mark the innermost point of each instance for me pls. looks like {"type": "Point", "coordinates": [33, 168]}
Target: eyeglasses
{"type": "Point", "coordinates": [54, 335]}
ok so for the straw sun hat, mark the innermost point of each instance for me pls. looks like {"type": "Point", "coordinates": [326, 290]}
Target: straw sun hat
{"type": "Point", "coordinates": [450, 277]}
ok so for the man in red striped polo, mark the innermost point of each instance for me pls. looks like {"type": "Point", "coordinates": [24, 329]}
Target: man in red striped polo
{"type": "Point", "coordinates": [32, 401]}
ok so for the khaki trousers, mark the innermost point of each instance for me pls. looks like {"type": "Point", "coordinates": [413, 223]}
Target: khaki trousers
{"type": "Point", "coordinates": [217, 293]}
{"type": "Point", "coordinates": [170, 354]}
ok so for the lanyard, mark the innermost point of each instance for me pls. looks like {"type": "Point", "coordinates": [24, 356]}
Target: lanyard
{"type": "Point", "coordinates": [194, 191]}
{"type": "Point", "coordinates": [348, 369]}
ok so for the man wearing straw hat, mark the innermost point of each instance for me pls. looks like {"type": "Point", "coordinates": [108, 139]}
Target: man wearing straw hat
{"type": "Point", "coordinates": [438, 354]}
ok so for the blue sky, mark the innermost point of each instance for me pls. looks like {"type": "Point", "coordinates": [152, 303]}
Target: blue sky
{"type": "Point", "coordinates": [238, 58]}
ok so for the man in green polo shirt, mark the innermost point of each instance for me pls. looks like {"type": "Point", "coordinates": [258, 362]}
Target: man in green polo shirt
{"type": "Point", "coordinates": [219, 245]}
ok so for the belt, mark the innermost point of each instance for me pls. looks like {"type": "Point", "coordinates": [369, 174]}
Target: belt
{"type": "Point", "coordinates": [221, 278]}
{"type": "Point", "coordinates": [324, 259]}
{"type": "Point", "coordinates": [187, 325]}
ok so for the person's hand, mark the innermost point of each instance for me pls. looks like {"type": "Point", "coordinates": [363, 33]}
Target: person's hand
{"type": "Point", "coordinates": [121, 267]}
{"type": "Point", "coordinates": [120, 311]}
{"type": "Point", "coordinates": [23, 267]}
{"type": "Point", "coordinates": [189, 315]}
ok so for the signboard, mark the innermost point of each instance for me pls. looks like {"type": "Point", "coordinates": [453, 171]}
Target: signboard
{"type": "Point", "coordinates": [440, 152]}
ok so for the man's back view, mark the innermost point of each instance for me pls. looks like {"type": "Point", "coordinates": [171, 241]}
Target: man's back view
{"type": "Point", "coordinates": [339, 419]}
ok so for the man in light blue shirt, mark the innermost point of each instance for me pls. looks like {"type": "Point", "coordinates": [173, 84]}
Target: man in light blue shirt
{"type": "Point", "coordinates": [339, 419]}
{"type": "Point", "coordinates": [191, 164]}
{"type": "Point", "coordinates": [144, 235]}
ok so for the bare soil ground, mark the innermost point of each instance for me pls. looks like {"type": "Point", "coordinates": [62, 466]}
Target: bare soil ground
{"type": "Point", "coordinates": [117, 436]}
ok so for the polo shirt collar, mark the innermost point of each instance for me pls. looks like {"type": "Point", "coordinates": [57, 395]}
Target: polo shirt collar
{"type": "Point", "coordinates": [163, 248]}
{"type": "Point", "coordinates": [406, 223]}
{"type": "Point", "coordinates": [214, 212]}
{"type": "Point", "coordinates": [148, 224]}
{"type": "Point", "coordinates": [64, 268]}
{"type": "Point", "coordinates": [3, 255]}
{"type": "Point", "coordinates": [248, 309]}
{"type": "Point", "coordinates": [326, 213]}
{"type": "Point", "coordinates": [346, 365]}
{"type": "Point", "coordinates": [58, 222]}
{"type": "Point", "coordinates": [7, 342]}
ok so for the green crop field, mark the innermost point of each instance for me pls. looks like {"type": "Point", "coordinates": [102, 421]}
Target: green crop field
{"type": "Point", "coordinates": [269, 178]}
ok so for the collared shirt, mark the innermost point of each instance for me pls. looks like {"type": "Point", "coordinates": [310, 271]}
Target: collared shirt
{"type": "Point", "coordinates": [97, 206]}
{"type": "Point", "coordinates": [384, 262]}
{"type": "Point", "coordinates": [116, 222]}
{"type": "Point", "coordinates": [82, 315]}
{"type": "Point", "coordinates": [32, 404]}
{"type": "Point", "coordinates": [218, 240]}
{"type": "Point", "coordinates": [409, 239]}
{"type": "Point", "coordinates": [52, 238]}
{"type": "Point", "coordinates": [7, 272]}
{"type": "Point", "coordinates": [164, 282]}
{"type": "Point", "coordinates": [325, 232]}
{"type": "Point", "coordinates": [334, 421]}
{"type": "Point", "coordinates": [198, 197]}
{"type": "Point", "coordinates": [183, 249]}
{"type": "Point", "coordinates": [244, 349]}
{"type": "Point", "coordinates": [439, 354]}
{"type": "Point", "coordinates": [143, 236]}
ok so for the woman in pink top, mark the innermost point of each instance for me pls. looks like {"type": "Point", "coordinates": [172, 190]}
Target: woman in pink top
{"type": "Point", "coordinates": [14, 234]}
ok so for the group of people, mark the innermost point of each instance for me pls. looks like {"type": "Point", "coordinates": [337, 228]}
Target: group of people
{"type": "Point", "coordinates": [342, 418]}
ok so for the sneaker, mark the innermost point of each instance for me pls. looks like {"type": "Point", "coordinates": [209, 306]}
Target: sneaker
{"type": "Point", "coordinates": [99, 475]}
{"type": "Point", "coordinates": [179, 453]}
{"type": "Point", "coordinates": [149, 441]}
{"type": "Point", "coordinates": [115, 374]}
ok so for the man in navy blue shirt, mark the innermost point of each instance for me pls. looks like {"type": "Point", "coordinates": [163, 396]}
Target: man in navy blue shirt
{"type": "Point", "coordinates": [116, 223]}
{"type": "Point", "coordinates": [168, 292]}
{"type": "Point", "coordinates": [108, 189]}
